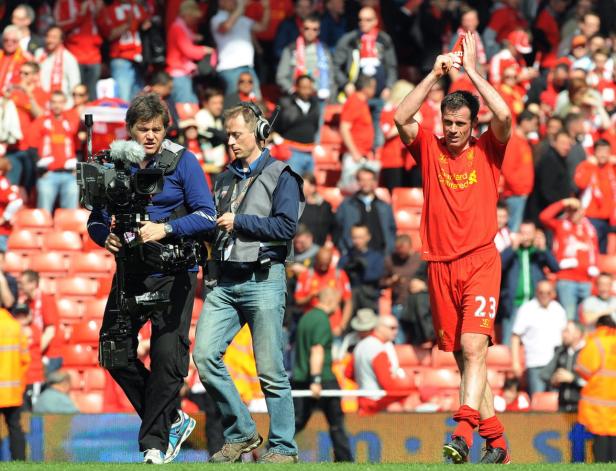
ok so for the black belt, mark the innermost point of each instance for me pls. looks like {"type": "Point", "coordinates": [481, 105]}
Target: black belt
{"type": "Point", "coordinates": [241, 270]}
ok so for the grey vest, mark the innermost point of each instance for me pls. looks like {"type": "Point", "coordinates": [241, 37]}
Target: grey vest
{"type": "Point", "coordinates": [257, 202]}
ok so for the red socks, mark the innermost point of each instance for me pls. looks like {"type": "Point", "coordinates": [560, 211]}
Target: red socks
{"type": "Point", "coordinates": [492, 430]}
{"type": "Point", "coordinates": [468, 419]}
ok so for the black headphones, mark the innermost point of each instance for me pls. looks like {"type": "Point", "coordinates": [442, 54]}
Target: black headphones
{"type": "Point", "coordinates": [263, 127]}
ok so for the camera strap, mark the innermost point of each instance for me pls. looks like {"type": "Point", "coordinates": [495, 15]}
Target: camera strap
{"type": "Point", "coordinates": [169, 158]}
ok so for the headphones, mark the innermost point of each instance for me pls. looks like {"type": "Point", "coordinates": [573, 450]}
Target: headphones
{"type": "Point", "coordinates": [263, 127]}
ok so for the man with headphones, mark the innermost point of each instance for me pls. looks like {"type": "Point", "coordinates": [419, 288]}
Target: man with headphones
{"type": "Point", "coordinates": [259, 201]}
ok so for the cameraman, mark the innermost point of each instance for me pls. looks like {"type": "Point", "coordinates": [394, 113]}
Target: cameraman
{"type": "Point", "coordinates": [155, 393]}
{"type": "Point", "coordinates": [260, 201]}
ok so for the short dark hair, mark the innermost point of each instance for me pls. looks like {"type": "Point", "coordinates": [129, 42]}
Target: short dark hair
{"type": "Point", "coordinates": [570, 118]}
{"type": "Point", "coordinates": [33, 65]}
{"type": "Point", "coordinates": [309, 177]}
{"type": "Point", "coordinates": [313, 18]}
{"type": "Point", "coordinates": [460, 99]}
{"type": "Point", "coordinates": [146, 107]}
{"type": "Point", "coordinates": [404, 238]}
{"type": "Point", "coordinates": [359, 225]}
{"type": "Point", "coordinates": [363, 81]}
{"type": "Point", "coordinates": [601, 143]}
{"type": "Point", "coordinates": [160, 77]}
{"type": "Point", "coordinates": [606, 321]}
{"type": "Point", "coordinates": [209, 92]}
{"type": "Point", "coordinates": [55, 26]}
{"type": "Point", "coordinates": [605, 273]}
{"type": "Point", "coordinates": [502, 205]}
{"type": "Point", "coordinates": [31, 275]}
{"type": "Point", "coordinates": [526, 115]}
{"type": "Point", "coordinates": [302, 229]}
{"type": "Point", "coordinates": [303, 77]}
{"type": "Point", "coordinates": [528, 221]}
{"type": "Point", "coordinates": [365, 170]}
{"type": "Point", "coordinates": [511, 383]}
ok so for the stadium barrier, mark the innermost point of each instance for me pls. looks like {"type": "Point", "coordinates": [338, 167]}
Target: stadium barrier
{"type": "Point", "coordinates": [382, 438]}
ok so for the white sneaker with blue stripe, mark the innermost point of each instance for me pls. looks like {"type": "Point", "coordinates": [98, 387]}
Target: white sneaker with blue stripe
{"type": "Point", "coordinates": [179, 432]}
{"type": "Point", "coordinates": [153, 456]}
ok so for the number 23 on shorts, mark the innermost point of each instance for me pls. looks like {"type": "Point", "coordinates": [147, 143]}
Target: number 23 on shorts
{"type": "Point", "coordinates": [483, 303]}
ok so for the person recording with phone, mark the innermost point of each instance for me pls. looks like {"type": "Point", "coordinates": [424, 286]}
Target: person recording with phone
{"type": "Point", "coordinates": [259, 201]}
{"type": "Point", "coordinates": [181, 211]}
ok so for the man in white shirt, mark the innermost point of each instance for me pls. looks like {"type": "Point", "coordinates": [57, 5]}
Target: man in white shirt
{"type": "Point", "coordinates": [232, 32]}
{"type": "Point", "coordinates": [538, 326]}
{"type": "Point", "coordinates": [602, 304]}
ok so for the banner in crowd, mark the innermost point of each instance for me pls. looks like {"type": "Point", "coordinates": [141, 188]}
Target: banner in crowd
{"type": "Point", "coordinates": [383, 438]}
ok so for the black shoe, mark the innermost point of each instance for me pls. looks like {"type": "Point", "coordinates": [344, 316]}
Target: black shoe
{"type": "Point", "coordinates": [456, 450]}
{"type": "Point", "coordinates": [495, 456]}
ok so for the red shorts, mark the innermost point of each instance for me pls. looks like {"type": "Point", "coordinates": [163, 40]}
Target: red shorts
{"type": "Point", "coordinates": [464, 296]}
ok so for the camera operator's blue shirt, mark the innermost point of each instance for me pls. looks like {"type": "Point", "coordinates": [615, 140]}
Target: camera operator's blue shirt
{"type": "Point", "coordinates": [282, 224]}
{"type": "Point", "coordinates": [185, 185]}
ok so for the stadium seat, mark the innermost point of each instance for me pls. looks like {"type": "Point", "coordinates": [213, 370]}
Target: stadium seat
{"type": "Point", "coordinates": [50, 264]}
{"type": "Point", "coordinates": [439, 378]}
{"type": "Point", "coordinates": [330, 135]}
{"type": "Point", "coordinates": [332, 114]}
{"type": "Point", "coordinates": [407, 219]}
{"type": "Point", "coordinates": [496, 379]}
{"type": "Point", "coordinates": [24, 241]}
{"type": "Point", "coordinates": [47, 284]}
{"type": "Point", "coordinates": [71, 220]}
{"type": "Point", "coordinates": [383, 194]}
{"type": "Point", "coordinates": [332, 195]}
{"type": "Point", "coordinates": [104, 287]}
{"type": "Point", "coordinates": [63, 241]}
{"type": "Point", "coordinates": [88, 402]}
{"type": "Point", "coordinates": [441, 359]}
{"type": "Point", "coordinates": [607, 263]}
{"type": "Point", "coordinates": [76, 355]}
{"type": "Point", "coordinates": [76, 378]}
{"type": "Point", "coordinates": [407, 198]}
{"type": "Point", "coordinates": [544, 401]}
{"type": "Point", "coordinates": [15, 263]}
{"type": "Point", "coordinates": [86, 332]}
{"type": "Point", "coordinates": [408, 355]}
{"type": "Point", "coordinates": [94, 379]}
{"type": "Point", "coordinates": [96, 264]}
{"type": "Point", "coordinates": [94, 308]}
{"type": "Point", "coordinates": [186, 110]}
{"type": "Point", "coordinates": [89, 245]}
{"type": "Point", "coordinates": [38, 220]}
{"type": "Point", "coordinates": [326, 157]}
{"type": "Point", "coordinates": [499, 357]}
{"type": "Point", "coordinates": [76, 287]}
{"type": "Point", "coordinates": [69, 311]}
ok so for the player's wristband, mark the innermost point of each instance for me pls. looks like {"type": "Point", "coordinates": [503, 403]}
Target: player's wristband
{"type": "Point", "coordinates": [315, 379]}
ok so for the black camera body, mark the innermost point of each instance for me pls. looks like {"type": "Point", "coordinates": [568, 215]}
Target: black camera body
{"type": "Point", "coordinates": [114, 348]}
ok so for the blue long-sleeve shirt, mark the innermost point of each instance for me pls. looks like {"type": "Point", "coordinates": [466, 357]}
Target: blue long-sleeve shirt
{"type": "Point", "coordinates": [281, 225]}
{"type": "Point", "coordinates": [373, 270]}
{"type": "Point", "coordinates": [185, 185]}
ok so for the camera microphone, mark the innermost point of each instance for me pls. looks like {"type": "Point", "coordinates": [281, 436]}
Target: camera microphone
{"type": "Point", "coordinates": [128, 151]}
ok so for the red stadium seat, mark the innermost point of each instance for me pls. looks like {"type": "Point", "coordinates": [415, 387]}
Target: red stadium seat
{"type": "Point", "coordinates": [50, 264]}
{"type": "Point", "coordinates": [94, 308]}
{"type": "Point", "coordinates": [93, 265]}
{"type": "Point", "coordinates": [499, 357]}
{"type": "Point", "coordinates": [496, 379]}
{"type": "Point", "coordinates": [407, 198]}
{"type": "Point", "coordinates": [407, 219]}
{"type": "Point", "coordinates": [76, 378]}
{"type": "Point", "coordinates": [89, 245]}
{"type": "Point", "coordinates": [63, 241]}
{"type": "Point", "coordinates": [76, 355]}
{"type": "Point", "coordinates": [24, 241]}
{"type": "Point", "coordinates": [441, 359]}
{"type": "Point", "coordinates": [38, 220]}
{"type": "Point", "coordinates": [77, 288]}
{"type": "Point", "coordinates": [383, 194]}
{"type": "Point", "coordinates": [86, 332]}
{"type": "Point", "coordinates": [607, 263]}
{"type": "Point", "coordinates": [15, 263]}
{"type": "Point", "coordinates": [71, 220]}
{"type": "Point", "coordinates": [439, 378]}
{"type": "Point", "coordinates": [104, 287]}
{"type": "Point", "coordinates": [408, 355]}
{"type": "Point", "coordinates": [69, 311]}
{"type": "Point", "coordinates": [544, 401]}
{"type": "Point", "coordinates": [186, 110]}
{"type": "Point", "coordinates": [88, 402]}
{"type": "Point", "coordinates": [94, 379]}
{"type": "Point", "coordinates": [332, 195]}
{"type": "Point", "coordinates": [332, 114]}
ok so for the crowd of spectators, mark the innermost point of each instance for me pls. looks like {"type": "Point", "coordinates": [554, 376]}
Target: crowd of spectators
{"type": "Point", "coordinates": [338, 69]}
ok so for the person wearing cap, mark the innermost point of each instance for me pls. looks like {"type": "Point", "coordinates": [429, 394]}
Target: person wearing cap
{"type": "Point", "coordinates": [516, 44]}
{"type": "Point", "coordinates": [362, 324]}
{"type": "Point", "coordinates": [55, 398]}
{"type": "Point", "coordinates": [579, 53]}
{"type": "Point", "coordinates": [376, 366]}
{"type": "Point", "coordinates": [312, 369]}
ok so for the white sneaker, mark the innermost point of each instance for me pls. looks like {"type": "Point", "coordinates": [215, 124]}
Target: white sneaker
{"type": "Point", "coordinates": [153, 456]}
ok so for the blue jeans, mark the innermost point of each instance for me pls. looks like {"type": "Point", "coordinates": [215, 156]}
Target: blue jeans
{"type": "Point", "coordinates": [128, 77]}
{"type": "Point", "coordinates": [52, 184]}
{"type": "Point", "coordinates": [231, 76]}
{"type": "Point", "coordinates": [90, 73]}
{"type": "Point", "coordinates": [507, 326]}
{"type": "Point", "coordinates": [602, 226]}
{"type": "Point", "coordinates": [183, 90]}
{"type": "Point", "coordinates": [376, 106]}
{"type": "Point", "coordinates": [259, 300]}
{"type": "Point", "coordinates": [535, 383]}
{"type": "Point", "coordinates": [571, 294]}
{"type": "Point", "coordinates": [301, 162]}
{"type": "Point", "coordinates": [515, 206]}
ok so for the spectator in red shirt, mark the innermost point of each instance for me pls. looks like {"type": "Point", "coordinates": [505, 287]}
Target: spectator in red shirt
{"type": "Point", "coordinates": [53, 136]}
{"type": "Point", "coordinates": [596, 178]}
{"type": "Point", "coordinates": [82, 38]}
{"type": "Point", "coordinates": [10, 203]}
{"type": "Point", "coordinates": [44, 316]}
{"type": "Point", "coordinates": [357, 133]}
{"type": "Point", "coordinates": [547, 31]}
{"type": "Point", "coordinates": [11, 57]}
{"type": "Point", "coordinates": [120, 23]}
{"type": "Point", "coordinates": [504, 18]}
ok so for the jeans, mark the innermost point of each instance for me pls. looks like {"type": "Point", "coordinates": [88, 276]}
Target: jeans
{"type": "Point", "coordinates": [128, 77]}
{"type": "Point", "coordinates": [571, 294]}
{"type": "Point", "coordinates": [376, 106]}
{"type": "Point", "coordinates": [515, 206]}
{"type": "Point", "coordinates": [259, 300]}
{"type": "Point", "coordinates": [90, 73]}
{"type": "Point", "coordinates": [301, 162]}
{"type": "Point", "coordinates": [17, 439]}
{"type": "Point", "coordinates": [52, 184]}
{"type": "Point", "coordinates": [333, 413]}
{"type": "Point", "coordinates": [22, 171]}
{"type": "Point", "coordinates": [507, 326]}
{"type": "Point", "coordinates": [231, 77]}
{"type": "Point", "coordinates": [535, 383]}
{"type": "Point", "coordinates": [183, 91]}
{"type": "Point", "coordinates": [602, 226]}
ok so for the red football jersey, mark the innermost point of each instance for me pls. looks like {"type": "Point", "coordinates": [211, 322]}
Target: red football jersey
{"type": "Point", "coordinates": [460, 194]}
